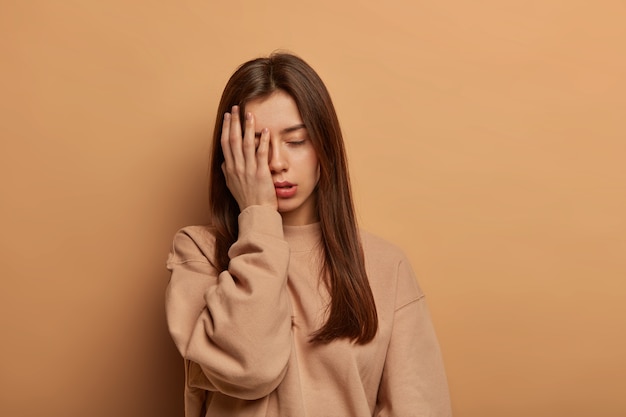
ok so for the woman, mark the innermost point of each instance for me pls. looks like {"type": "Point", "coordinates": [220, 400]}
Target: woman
{"type": "Point", "coordinates": [281, 307]}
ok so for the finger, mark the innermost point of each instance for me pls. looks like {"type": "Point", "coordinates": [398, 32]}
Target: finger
{"type": "Point", "coordinates": [228, 156]}
{"type": "Point", "coordinates": [248, 142]}
{"type": "Point", "coordinates": [262, 152]}
{"type": "Point", "coordinates": [235, 138]}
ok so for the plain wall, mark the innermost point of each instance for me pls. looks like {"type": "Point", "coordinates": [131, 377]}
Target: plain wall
{"type": "Point", "coordinates": [485, 138]}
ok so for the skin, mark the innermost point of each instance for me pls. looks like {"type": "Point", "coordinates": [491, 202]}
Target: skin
{"type": "Point", "coordinates": [274, 147]}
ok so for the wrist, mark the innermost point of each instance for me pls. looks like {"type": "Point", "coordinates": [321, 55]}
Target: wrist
{"type": "Point", "coordinates": [262, 219]}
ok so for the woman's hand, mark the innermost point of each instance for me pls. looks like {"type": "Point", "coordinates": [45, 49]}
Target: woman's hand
{"type": "Point", "coordinates": [246, 167]}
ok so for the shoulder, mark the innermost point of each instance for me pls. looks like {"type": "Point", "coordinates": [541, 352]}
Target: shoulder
{"type": "Point", "coordinates": [389, 269]}
{"type": "Point", "coordinates": [193, 244]}
{"type": "Point", "coordinates": [377, 249]}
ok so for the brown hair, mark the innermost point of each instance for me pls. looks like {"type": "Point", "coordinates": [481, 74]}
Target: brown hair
{"type": "Point", "coordinates": [352, 312]}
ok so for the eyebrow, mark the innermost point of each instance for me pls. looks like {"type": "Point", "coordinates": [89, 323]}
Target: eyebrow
{"type": "Point", "coordinates": [285, 130]}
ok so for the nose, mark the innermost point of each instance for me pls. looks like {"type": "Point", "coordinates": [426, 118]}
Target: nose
{"type": "Point", "coordinates": [277, 159]}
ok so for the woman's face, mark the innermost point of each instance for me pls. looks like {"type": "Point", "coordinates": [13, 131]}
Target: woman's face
{"type": "Point", "coordinates": [292, 160]}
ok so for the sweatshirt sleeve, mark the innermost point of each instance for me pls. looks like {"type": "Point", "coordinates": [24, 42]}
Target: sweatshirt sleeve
{"type": "Point", "coordinates": [414, 381]}
{"type": "Point", "coordinates": [235, 324]}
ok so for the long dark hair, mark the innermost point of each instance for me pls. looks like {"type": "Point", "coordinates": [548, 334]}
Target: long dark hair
{"type": "Point", "coordinates": [352, 312]}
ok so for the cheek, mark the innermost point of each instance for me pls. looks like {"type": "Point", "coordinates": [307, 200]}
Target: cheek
{"type": "Point", "coordinates": [315, 167]}
{"type": "Point", "coordinates": [309, 164]}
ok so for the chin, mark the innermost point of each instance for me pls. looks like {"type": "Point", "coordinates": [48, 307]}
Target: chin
{"type": "Point", "coordinates": [287, 206]}
{"type": "Point", "coordinates": [284, 210]}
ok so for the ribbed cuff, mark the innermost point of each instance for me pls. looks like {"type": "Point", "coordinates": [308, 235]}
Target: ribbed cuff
{"type": "Point", "coordinates": [261, 219]}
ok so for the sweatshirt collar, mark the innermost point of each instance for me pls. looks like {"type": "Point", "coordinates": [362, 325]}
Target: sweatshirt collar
{"type": "Point", "coordinates": [303, 238]}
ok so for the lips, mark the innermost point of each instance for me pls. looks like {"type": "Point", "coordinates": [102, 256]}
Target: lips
{"type": "Point", "coordinates": [285, 189]}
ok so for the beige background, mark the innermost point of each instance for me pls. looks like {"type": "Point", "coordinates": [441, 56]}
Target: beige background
{"type": "Point", "coordinates": [486, 138]}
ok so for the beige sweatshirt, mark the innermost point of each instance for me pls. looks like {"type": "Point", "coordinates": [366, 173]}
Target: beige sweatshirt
{"type": "Point", "coordinates": [244, 332]}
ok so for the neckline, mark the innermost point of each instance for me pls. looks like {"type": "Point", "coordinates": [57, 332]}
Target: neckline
{"type": "Point", "coordinates": [303, 238]}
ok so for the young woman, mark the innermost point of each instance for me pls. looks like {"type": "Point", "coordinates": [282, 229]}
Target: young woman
{"type": "Point", "coordinates": [281, 306]}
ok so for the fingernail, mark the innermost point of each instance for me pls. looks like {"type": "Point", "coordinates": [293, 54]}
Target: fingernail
{"type": "Point", "coordinates": [248, 116]}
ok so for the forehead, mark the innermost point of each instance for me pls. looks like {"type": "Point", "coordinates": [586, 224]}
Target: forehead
{"type": "Point", "coordinates": [276, 111]}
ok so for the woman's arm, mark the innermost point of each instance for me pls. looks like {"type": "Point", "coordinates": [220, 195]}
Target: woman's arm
{"type": "Point", "coordinates": [414, 380]}
{"type": "Point", "coordinates": [235, 324]}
